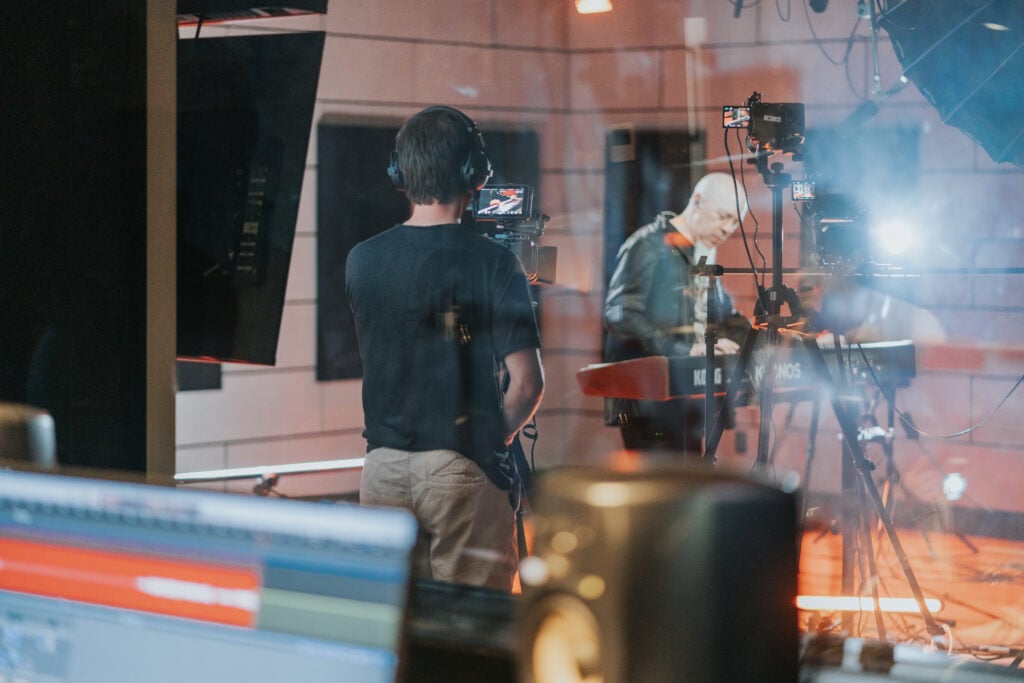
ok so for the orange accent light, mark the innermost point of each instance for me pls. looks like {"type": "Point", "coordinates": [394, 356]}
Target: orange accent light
{"type": "Point", "coordinates": [852, 603]}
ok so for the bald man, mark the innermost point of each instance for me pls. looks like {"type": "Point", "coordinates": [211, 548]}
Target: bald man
{"type": "Point", "coordinates": [656, 307]}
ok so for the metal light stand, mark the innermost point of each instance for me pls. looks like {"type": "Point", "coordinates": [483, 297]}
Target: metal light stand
{"type": "Point", "coordinates": [893, 478]}
{"type": "Point", "coordinates": [863, 467]}
{"type": "Point", "coordinates": [770, 304]}
{"type": "Point", "coordinates": [853, 524]}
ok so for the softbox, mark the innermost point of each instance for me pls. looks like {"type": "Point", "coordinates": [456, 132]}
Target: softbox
{"type": "Point", "coordinates": [967, 59]}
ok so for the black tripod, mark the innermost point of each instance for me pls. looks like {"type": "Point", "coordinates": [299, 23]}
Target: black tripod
{"type": "Point", "coordinates": [769, 320]}
{"type": "Point", "coordinates": [712, 272]}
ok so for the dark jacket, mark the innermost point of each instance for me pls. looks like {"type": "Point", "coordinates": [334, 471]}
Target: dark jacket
{"type": "Point", "coordinates": [649, 308]}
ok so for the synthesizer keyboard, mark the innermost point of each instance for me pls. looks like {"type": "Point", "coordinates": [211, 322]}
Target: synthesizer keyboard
{"type": "Point", "coordinates": [789, 367]}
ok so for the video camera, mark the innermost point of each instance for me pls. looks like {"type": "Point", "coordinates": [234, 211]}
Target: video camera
{"type": "Point", "coordinates": [506, 214]}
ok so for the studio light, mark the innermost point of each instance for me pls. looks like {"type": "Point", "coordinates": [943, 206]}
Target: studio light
{"type": "Point", "coordinates": [848, 235]}
{"type": "Point", "coordinates": [593, 6]}
{"type": "Point", "coordinates": [895, 237]}
{"type": "Point", "coordinates": [841, 229]}
{"type": "Point", "coordinates": [982, 93]}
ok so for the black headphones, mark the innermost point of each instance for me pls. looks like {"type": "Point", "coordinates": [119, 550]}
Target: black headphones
{"type": "Point", "coordinates": [475, 170]}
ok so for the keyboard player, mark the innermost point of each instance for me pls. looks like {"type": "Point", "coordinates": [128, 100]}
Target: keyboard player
{"type": "Point", "coordinates": [656, 307]}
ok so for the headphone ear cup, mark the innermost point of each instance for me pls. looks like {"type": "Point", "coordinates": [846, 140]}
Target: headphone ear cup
{"type": "Point", "coordinates": [395, 173]}
{"type": "Point", "coordinates": [477, 170]}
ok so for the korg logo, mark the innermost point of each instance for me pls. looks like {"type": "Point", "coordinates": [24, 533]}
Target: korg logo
{"type": "Point", "coordinates": [699, 376]}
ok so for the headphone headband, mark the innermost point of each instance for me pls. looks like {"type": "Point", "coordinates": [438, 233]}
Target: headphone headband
{"type": "Point", "coordinates": [466, 121]}
{"type": "Point", "coordinates": [475, 170]}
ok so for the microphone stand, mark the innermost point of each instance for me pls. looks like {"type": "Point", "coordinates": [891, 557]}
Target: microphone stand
{"type": "Point", "coordinates": [712, 271]}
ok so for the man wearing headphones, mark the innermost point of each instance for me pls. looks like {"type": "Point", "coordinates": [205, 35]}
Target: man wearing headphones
{"type": "Point", "coordinates": [451, 364]}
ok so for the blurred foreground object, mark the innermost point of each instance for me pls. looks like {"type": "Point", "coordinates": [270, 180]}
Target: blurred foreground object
{"type": "Point", "coordinates": [664, 575]}
{"type": "Point", "coordinates": [27, 433]}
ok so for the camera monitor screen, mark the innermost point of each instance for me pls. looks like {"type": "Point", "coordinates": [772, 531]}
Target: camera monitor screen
{"type": "Point", "coordinates": [803, 190]}
{"type": "Point", "coordinates": [502, 201]}
{"type": "Point", "coordinates": [735, 117]}
{"type": "Point", "coordinates": [123, 582]}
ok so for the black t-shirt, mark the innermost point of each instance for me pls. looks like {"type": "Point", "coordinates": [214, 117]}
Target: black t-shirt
{"type": "Point", "coordinates": [436, 309]}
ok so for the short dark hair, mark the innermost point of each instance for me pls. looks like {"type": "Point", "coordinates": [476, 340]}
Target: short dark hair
{"type": "Point", "coordinates": [430, 150]}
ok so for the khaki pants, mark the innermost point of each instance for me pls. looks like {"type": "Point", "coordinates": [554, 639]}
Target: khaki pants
{"type": "Point", "coordinates": [467, 525]}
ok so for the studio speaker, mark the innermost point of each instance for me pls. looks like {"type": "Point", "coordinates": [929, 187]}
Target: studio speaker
{"type": "Point", "coordinates": [669, 575]}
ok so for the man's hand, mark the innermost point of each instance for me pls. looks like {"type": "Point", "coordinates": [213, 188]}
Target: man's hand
{"type": "Point", "coordinates": [723, 345]}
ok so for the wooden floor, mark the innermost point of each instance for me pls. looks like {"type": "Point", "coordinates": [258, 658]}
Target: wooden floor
{"type": "Point", "coordinates": [979, 580]}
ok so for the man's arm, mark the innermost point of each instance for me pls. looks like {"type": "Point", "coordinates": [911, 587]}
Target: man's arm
{"type": "Point", "coordinates": [525, 389]}
{"type": "Point", "coordinates": [625, 310]}
{"type": "Point", "coordinates": [732, 328]}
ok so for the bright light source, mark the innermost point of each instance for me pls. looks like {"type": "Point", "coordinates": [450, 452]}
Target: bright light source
{"type": "Point", "coordinates": [953, 486]}
{"type": "Point", "coordinates": [995, 27]}
{"type": "Point", "coordinates": [895, 236]}
{"type": "Point", "coordinates": [851, 603]}
{"type": "Point", "coordinates": [593, 6]}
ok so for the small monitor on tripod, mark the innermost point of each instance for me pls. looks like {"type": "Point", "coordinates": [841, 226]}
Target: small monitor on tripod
{"type": "Point", "coordinates": [735, 116]}
{"type": "Point", "coordinates": [802, 190]}
{"type": "Point", "coordinates": [771, 126]}
{"type": "Point", "coordinates": [778, 127]}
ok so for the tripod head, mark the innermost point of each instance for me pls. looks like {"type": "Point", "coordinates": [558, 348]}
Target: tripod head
{"type": "Point", "coordinates": [771, 173]}
{"type": "Point", "coordinates": [768, 307]}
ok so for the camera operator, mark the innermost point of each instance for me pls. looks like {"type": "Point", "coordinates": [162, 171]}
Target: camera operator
{"type": "Point", "coordinates": [656, 307]}
{"type": "Point", "coordinates": [443, 318]}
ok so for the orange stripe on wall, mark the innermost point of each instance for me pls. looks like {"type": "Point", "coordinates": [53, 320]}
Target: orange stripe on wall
{"type": "Point", "coordinates": [204, 591]}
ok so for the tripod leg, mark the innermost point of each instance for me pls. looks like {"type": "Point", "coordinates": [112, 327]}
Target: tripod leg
{"type": "Point", "coordinates": [863, 468]}
{"type": "Point", "coordinates": [812, 438]}
{"type": "Point", "coordinates": [714, 436]}
{"type": "Point", "coordinates": [849, 525]}
{"type": "Point", "coordinates": [766, 407]}
{"type": "Point", "coordinates": [868, 552]}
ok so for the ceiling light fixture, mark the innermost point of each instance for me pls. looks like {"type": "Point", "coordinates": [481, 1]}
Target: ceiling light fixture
{"type": "Point", "coordinates": [593, 6]}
